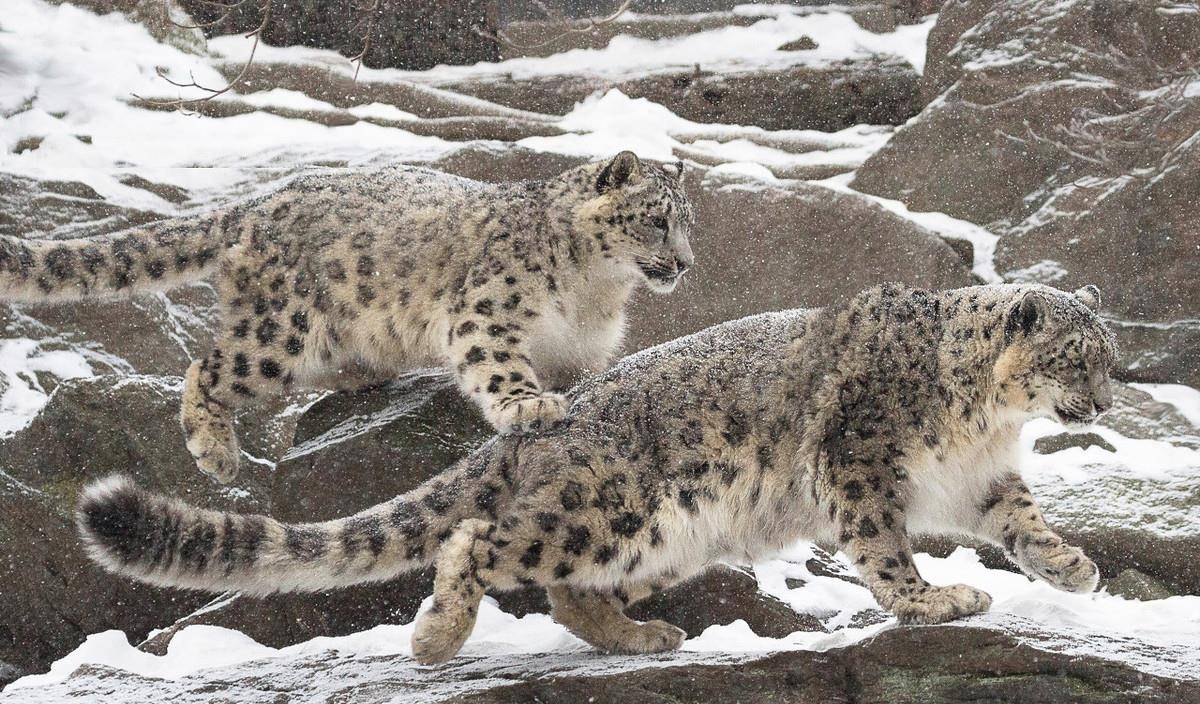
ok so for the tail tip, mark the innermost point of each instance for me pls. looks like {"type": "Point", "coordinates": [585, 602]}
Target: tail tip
{"type": "Point", "coordinates": [107, 518]}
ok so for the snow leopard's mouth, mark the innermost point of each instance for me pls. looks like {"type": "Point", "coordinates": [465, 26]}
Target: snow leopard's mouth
{"type": "Point", "coordinates": [1069, 417]}
{"type": "Point", "coordinates": [660, 277]}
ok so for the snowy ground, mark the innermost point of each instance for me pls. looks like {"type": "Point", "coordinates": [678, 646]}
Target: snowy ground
{"type": "Point", "coordinates": [66, 77]}
{"type": "Point", "coordinates": [1159, 637]}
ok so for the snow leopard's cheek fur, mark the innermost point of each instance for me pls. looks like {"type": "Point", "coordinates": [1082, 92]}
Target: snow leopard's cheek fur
{"type": "Point", "coordinates": [650, 219]}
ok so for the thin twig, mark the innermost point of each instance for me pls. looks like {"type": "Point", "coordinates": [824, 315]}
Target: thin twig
{"type": "Point", "coordinates": [256, 34]}
{"type": "Point", "coordinates": [358, 58]}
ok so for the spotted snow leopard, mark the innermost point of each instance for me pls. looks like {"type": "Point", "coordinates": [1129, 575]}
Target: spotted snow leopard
{"type": "Point", "coordinates": [892, 414]}
{"type": "Point", "coordinates": [518, 288]}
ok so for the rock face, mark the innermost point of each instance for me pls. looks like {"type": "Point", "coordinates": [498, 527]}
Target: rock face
{"type": "Point", "coordinates": [412, 36]}
{"type": "Point", "coordinates": [832, 97]}
{"type": "Point", "coordinates": [33, 208]}
{"type": "Point", "coordinates": [1069, 129]}
{"type": "Point", "coordinates": [764, 248]}
{"type": "Point", "coordinates": [53, 596]}
{"type": "Point", "coordinates": [933, 665]}
{"type": "Point", "coordinates": [721, 596]}
{"type": "Point", "coordinates": [929, 666]}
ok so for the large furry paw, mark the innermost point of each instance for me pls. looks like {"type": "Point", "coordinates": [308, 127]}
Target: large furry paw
{"type": "Point", "coordinates": [529, 414]}
{"type": "Point", "coordinates": [649, 637]}
{"type": "Point", "coordinates": [940, 604]}
{"type": "Point", "coordinates": [1061, 565]}
{"type": "Point", "coordinates": [440, 634]}
{"type": "Point", "coordinates": [216, 452]}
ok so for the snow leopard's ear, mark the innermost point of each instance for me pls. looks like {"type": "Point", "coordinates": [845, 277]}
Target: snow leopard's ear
{"type": "Point", "coordinates": [675, 170]}
{"type": "Point", "coordinates": [623, 168]}
{"type": "Point", "coordinates": [1089, 296]}
{"type": "Point", "coordinates": [1028, 315]}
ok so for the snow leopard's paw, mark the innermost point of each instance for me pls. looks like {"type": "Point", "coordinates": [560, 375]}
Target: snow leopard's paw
{"type": "Point", "coordinates": [1061, 565]}
{"type": "Point", "coordinates": [529, 414]}
{"type": "Point", "coordinates": [216, 451]}
{"type": "Point", "coordinates": [650, 637]}
{"type": "Point", "coordinates": [940, 604]}
{"type": "Point", "coordinates": [440, 634]}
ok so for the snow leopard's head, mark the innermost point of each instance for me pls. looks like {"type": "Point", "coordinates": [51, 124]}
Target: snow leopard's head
{"type": "Point", "coordinates": [640, 218]}
{"type": "Point", "coordinates": [1059, 354]}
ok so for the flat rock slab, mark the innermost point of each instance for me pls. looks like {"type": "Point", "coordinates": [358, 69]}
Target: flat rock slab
{"type": "Point", "coordinates": [927, 665]}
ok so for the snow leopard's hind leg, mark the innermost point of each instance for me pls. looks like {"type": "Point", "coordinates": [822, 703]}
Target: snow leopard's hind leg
{"type": "Point", "coordinates": [464, 564]}
{"type": "Point", "coordinates": [256, 358]}
{"type": "Point", "coordinates": [599, 619]}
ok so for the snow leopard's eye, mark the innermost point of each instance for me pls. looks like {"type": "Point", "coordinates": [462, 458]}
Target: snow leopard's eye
{"type": "Point", "coordinates": [660, 223]}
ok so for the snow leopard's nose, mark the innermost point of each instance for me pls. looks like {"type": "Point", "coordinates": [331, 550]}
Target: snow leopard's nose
{"type": "Point", "coordinates": [683, 263]}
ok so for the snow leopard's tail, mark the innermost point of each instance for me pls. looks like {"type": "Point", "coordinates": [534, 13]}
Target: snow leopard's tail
{"type": "Point", "coordinates": [156, 256]}
{"type": "Point", "coordinates": [163, 541]}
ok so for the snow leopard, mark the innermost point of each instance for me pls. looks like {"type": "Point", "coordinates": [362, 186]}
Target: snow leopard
{"type": "Point", "coordinates": [519, 289]}
{"type": "Point", "coordinates": [891, 414]}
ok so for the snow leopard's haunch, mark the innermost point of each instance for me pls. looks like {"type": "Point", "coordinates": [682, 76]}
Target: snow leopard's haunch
{"type": "Point", "coordinates": [518, 289]}
{"type": "Point", "coordinates": [895, 413]}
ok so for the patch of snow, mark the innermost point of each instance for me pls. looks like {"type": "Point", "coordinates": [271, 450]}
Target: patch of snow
{"type": "Point", "coordinates": [21, 395]}
{"type": "Point", "coordinates": [603, 124]}
{"type": "Point", "coordinates": [67, 73]}
{"type": "Point", "coordinates": [1185, 399]}
{"type": "Point", "coordinates": [1045, 271]}
{"type": "Point", "coordinates": [381, 111]}
{"type": "Point", "coordinates": [741, 169]}
{"type": "Point", "coordinates": [742, 149]}
{"type": "Point", "coordinates": [284, 98]}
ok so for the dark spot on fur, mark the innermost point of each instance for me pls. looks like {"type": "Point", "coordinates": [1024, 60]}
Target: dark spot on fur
{"type": "Point", "coordinates": [269, 368]}
{"type": "Point", "coordinates": [578, 539]}
{"type": "Point", "coordinates": [532, 556]}
{"type": "Point", "coordinates": [266, 331]}
{"type": "Point", "coordinates": [627, 524]}
{"type": "Point", "coordinates": [572, 496]}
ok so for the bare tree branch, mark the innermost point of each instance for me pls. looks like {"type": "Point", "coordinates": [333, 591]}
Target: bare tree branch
{"type": "Point", "coordinates": [587, 25]}
{"type": "Point", "coordinates": [186, 104]}
{"type": "Point", "coordinates": [372, 18]}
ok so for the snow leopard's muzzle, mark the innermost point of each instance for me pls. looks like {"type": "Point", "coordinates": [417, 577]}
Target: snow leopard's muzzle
{"type": "Point", "coordinates": [663, 276]}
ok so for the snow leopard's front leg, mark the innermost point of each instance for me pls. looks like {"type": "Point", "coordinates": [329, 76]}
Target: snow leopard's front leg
{"type": "Point", "coordinates": [1008, 516]}
{"type": "Point", "coordinates": [490, 358]}
{"type": "Point", "coordinates": [869, 512]}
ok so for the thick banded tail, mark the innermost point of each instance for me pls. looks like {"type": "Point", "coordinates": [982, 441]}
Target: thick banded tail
{"type": "Point", "coordinates": [156, 256]}
{"type": "Point", "coordinates": [167, 542]}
